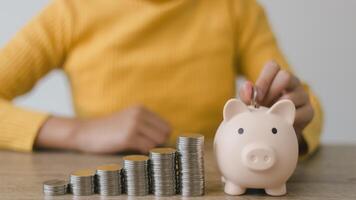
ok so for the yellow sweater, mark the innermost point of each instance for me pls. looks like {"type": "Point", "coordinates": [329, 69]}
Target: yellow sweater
{"type": "Point", "coordinates": [179, 58]}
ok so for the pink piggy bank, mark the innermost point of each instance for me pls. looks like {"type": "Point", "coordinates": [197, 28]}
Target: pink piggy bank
{"type": "Point", "coordinates": [256, 147]}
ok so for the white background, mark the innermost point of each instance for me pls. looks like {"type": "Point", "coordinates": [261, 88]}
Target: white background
{"type": "Point", "coordinates": [317, 36]}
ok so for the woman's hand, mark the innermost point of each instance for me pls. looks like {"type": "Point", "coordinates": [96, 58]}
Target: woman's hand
{"type": "Point", "coordinates": [135, 128]}
{"type": "Point", "coordinates": [274, 84]}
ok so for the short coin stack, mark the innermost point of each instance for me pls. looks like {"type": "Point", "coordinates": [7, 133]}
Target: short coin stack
{"type": "Point", "coordinates": [55, 187]}
{"type": "Point", "coordinates": [108, 179]}
{"type": "Point", "coordinates": [136, 175]}
{"type": "Point", "coordinates": [163, 171]}
{"type": "Point", "coordinates": [82, 182]}
{"type": "Point", "coordinates": [191, 164]}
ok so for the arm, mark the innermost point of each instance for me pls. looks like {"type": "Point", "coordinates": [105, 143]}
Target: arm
{"type": "Point", "coordinates": [134, 128]}
{"type": "Point", "coordinates": [34, 51]}
{"type": "Point", "coordinates": [40, 47]}
{"type": "Point", "coordinates": [255, 46]}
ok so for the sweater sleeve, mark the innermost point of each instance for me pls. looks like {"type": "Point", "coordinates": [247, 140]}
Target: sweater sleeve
{"type": "Point", "coordinates": [34, 51]}
{"type": "Point", "coordinates": [255, 44]}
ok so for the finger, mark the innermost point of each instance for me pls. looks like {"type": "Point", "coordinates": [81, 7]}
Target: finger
{"type": "Point", "coordinates": [143, 144]}
{"type": "Point", "coordinates": [293, 83]}
{"type": "Point", "coordinates": [151, 132]}
{"type": "Point", "coordinates": [303, 116]}
{"type": "Point", "coordinates": [265, 79]}
{"type": "Point", "coordinates": [157, 121]}
{"type": "Point", "coordinates": [160, 131]}
{"type": "Point", "coordinates": [245, 92]}
{"type": "Point", "coordinates": [281, 82]}
{"type": "Point", "coordinates": [299, 97]}
{"type": "Point", "coordinates": [139, 143]}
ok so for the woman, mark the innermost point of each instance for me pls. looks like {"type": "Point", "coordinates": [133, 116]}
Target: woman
{"type": "Point", "coordinates": [143, 71]}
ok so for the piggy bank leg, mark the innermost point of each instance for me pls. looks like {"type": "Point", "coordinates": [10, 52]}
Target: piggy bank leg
{"type": "Point", "coordinates": [233, 189]}
{"type": "Point", "coordinates": [222, 179]}
{"type": "Point", "coordinates": [277, 191]}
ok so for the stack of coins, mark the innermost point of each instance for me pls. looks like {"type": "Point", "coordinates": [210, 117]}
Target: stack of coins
{"type": "Point", "coordinates": [136, 175]}
{"type": "Point", "coordinates": [55, 187]}
{"type": "Point", "coordinates": [82, 182]}
{"type": "Point", "coordinates": [191, 164]}
{"type": "Point", "coordinates": [163, 171]}
{"type": "Point", "coordinates": [108, 179]}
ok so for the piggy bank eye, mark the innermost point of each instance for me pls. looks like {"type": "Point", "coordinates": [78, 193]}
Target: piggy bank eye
{"type": "Point", "coordinates": [274, 130]}
{"type": "Point", "coordinates": [240, 131]}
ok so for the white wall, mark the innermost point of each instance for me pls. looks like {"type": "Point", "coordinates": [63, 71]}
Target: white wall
{"type": "Point", "coordinates": [52, 93]}
{"type": "Point", "coordinates": [316, 35]}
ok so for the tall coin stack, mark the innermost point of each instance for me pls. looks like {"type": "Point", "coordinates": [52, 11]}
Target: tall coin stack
{"type": "Point", "coordinates": [82, 182]}
{"type": "Point", "coordinates": [191, 164]}
{"type": "Point", "coordinates": [108, 179]}
{"type": "Point", "coordinates": [163, 171]}
{"type": "Point", "coordinates": [55, 187]}
{"type": "Point", "coordinates": [136, 175]}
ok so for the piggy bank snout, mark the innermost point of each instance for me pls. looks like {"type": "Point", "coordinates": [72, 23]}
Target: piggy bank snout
{"type": "Point", "coordinates": [258, 157]}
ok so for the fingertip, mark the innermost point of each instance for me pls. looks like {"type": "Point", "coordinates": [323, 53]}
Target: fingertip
{"type": "Point", "coordinates": [249, 89]}
{"type": "Point", "coordinates": [167, 129]}
{"type": "Point", "coordinates": [272, 65]}
{"type": "Point", "coordinates": [248, 84]}
{"type": "Point", "coordinates": [245, 92]}
{"type": "Point", "coordinates": [260, 94]}
{"type": "Point", "coordinates": [265, 79]}
{"type": "Point", "coordinates": [285, 74]}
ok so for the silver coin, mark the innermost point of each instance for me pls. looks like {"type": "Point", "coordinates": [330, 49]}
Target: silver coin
{"type": "Point", "coordinates": [82, 182]}
{"type": "Point", "coordinates": [136, 175]}
{"type": "Point", "coordinates": [163, 171]}
{"type": "Point", "coordinates": [254, 97]}
{"type": "Point", "coordinates": [108, 180]}
{"type": "Point", "coordinates": [191, 179]}
{"type": "Point", "coordinates": [55, 187]}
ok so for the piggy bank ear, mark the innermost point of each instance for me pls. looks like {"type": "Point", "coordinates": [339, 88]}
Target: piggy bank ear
{"type": "Point", "coordinates": [285, 109]}
{"type": "Point", "coordinates": [234, 107]}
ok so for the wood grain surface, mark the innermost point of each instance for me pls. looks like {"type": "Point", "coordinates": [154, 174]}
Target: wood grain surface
{"type": "Point", "coordinates": [329, 174]}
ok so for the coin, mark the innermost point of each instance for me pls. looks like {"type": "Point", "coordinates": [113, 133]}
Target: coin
{"type": "Point", "coordinates": [135, 158]}
{"type": "Point", "coordinates": [254, 97]}
{"type": "Point", "coordinates": [108, 180]}
{"type": "Point", "coordinates": [136, 175]}
{"type": "Point", "coordinates": [191, 178]}
{"type": "Point", "coordinates": [84, 173]}
{"type": "Point", "coordinates": [55, 187]}
{"type": "Point", "coordinates": [82, 182]}
{"type": "Point", "coordinates": [163, 171]}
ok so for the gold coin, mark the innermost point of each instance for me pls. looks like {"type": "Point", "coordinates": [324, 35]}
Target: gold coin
{"type": "Point", "coordinates": [163, 150]}
{"type": "Point", "coordinates": [191, 135]}
{"type": "Point", "coordinates": [136, 158]}
{"type": "Point", "coordinates": [110, 167]}
{"type": "Point", "coordinates": [84, 172]}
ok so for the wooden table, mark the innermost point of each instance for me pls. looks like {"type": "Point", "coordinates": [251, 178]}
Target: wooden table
{"type": "Point", "coordinates": [330, 174]}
